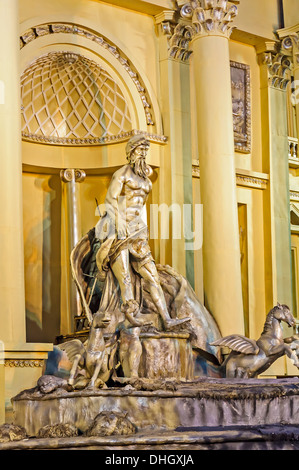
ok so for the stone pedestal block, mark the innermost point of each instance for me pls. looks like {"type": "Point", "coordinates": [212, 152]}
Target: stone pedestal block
{"type": "Point", "coordinates": [199, 404]}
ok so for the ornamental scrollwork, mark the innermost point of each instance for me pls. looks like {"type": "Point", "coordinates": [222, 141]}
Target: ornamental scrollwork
{"type": "Point", "coordinates": [279, 66]}
{"type": "Point", "coordinates": [24, 363]}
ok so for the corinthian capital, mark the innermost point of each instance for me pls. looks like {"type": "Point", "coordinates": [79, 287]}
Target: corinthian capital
{"type": "Point", "coordinates": [279, 64]}
{"type": "Point", "coordinates": [209, 17]}
{"type": "Point", "coordinates": [290, 45]}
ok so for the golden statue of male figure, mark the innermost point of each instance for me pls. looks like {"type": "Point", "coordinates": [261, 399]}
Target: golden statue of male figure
{"type": "Point", "coordinates": [124, 233]}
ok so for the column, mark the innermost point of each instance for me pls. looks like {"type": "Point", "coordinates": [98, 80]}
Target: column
{"type": "Point", "coordinates": [22, 361]}
{"type": "Point", "coordinates": [176, 190]}
{"type": "Point", "coordinates": [210, 27]}
{"type": "Point", "coordinates": [72, 223]}
{"type": "Point", "coordinates": [274, 79]}
{"type": "Point", "coordinates": [12, 291]}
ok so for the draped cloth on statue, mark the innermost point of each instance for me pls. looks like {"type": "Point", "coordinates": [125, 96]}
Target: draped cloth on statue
{"type": "Point", "coordinates": [103, 292]}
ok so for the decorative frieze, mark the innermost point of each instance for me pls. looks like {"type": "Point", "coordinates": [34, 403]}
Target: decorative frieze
{"type": "Point", "coordinates": [251, 181]}
{"type": "Point", "coordinates": [68, 28]}
{"type": "Point", "coordinates": [24, 363]}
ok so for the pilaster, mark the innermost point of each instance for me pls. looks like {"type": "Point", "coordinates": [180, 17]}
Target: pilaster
{"type": "Point", "coordinates": [175, 106]}
{"type": "Point", "coordinates": [275, 74]}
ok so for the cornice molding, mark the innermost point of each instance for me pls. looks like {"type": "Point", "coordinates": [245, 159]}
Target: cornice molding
{"type": "Point", "coordinates": [250, 181]}
{"type": "Point", "coordinates": [284, 32]}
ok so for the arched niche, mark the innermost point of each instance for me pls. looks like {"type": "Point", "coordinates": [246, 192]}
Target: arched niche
{"type": "Point", "coordinates": [144, 112]}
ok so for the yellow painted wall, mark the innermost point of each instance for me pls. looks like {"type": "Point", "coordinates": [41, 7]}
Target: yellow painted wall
{"type": "Point", "coordinates": [291, 12]}
{"type": "Point", "coordinates": [253, 199]}
{"type": "Point", "coordinates": [93, 187]}
{"type": "Point", "coordinates": [41, 212]}
{"type": "Point", "coordinates": [258, 17]}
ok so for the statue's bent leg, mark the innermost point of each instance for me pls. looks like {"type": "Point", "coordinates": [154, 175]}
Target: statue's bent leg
{"type": "Point", "coordinates": [149, 273]}
{"type": "Point", "coordinates": [121, 270]}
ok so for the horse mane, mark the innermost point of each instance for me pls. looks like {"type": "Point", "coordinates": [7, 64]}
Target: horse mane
{"type": "Point", "coordinates": [268, 322]}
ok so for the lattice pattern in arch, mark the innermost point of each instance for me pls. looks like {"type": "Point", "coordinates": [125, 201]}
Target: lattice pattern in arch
{"type": "Point", "coordinates": [67, 98]}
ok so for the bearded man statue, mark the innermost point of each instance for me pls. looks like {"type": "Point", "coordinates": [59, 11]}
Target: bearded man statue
{"type": "Point", "coordinates": [114, 269]}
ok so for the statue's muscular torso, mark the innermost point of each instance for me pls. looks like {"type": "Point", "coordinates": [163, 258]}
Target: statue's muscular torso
{"type": "Point", "coordinates": [127, 193]}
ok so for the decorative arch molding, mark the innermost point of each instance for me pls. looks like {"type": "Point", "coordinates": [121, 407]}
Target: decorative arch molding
{"type": "Point", "coordinates": [71, 100]}
{"type": "Point", "coordinates": [53, 28]}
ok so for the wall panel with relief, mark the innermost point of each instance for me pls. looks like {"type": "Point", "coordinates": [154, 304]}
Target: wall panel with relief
{"type": "Point", "coordinates": [241, 100]}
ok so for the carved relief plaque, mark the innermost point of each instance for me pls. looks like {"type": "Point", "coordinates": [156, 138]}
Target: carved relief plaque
{"type": "Point", "coordinates": [240, 81]}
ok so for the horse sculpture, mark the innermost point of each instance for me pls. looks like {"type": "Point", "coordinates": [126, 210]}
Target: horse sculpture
{"type": "Point", "coordinates": [250, 358]}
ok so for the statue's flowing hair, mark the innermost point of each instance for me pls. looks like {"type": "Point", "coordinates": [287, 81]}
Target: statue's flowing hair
{"type": "Point", "coordinates": [269, 319]}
